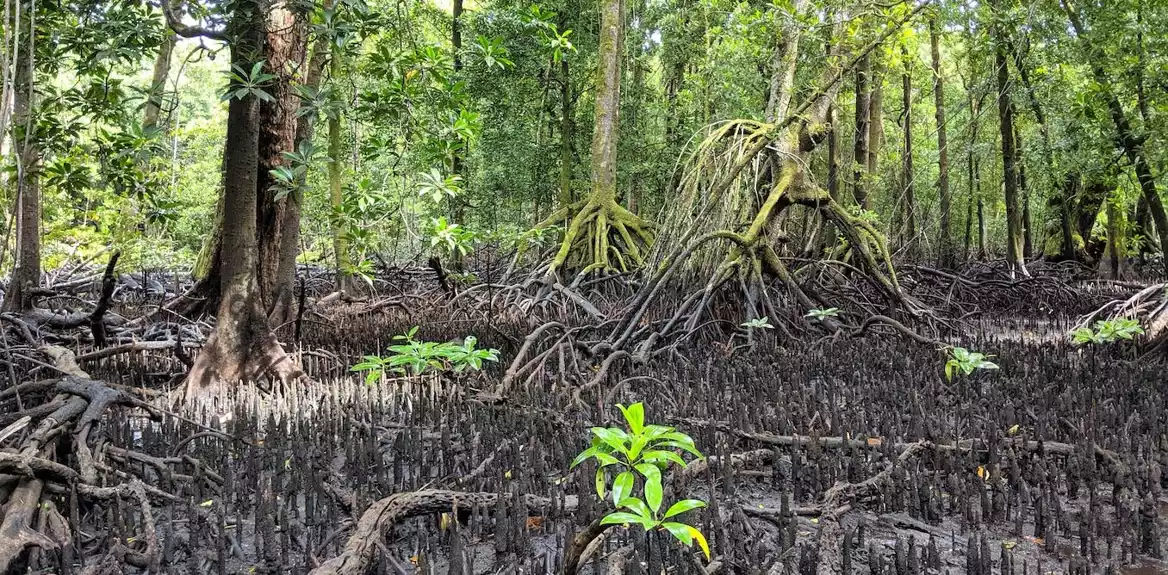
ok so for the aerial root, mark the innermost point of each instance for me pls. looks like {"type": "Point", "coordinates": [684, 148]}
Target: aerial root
{"type": "Point", "coordinates": [601, 236]}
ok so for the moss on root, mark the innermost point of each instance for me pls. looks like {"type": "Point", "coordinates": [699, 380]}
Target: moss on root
{"type": "Point", "coordinates": [601, 236]}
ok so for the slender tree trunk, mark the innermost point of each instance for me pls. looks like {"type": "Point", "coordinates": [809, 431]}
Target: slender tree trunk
{"type": "Point", "coordinates": [1065, 204]}
{"type": "Point", "coordinates": [674, 140]}
{"type": "Point", "coordinates": [1131, 143]}
{"type": "Point", "coordinates": [1066, 209]}
{"type": "Point", "coordinates": [973, 176]}
{"type": "Point", "coordinates": [983, 254]}
{"type": "Point", "coordinates": [1113, 239]}
{"type": "Point", "coordinates": [567, 133]}
{"type": "Point", "coordinates": [946, 255]}
{"type": "Point", "coordinates": [860, 177]}
{"type": "Point", "coordinates": [155, 95]}
{"type": "Point", "coordinates": [783, 67]}
{"type": "Point", "coordinates": [305, 130]}
{"type": "Point", "coordinates": [875, 120]}
{"type": "Point", "coordinates": [967, 238]}
{"type": "Point", "coordinates": [1027, 233]}
{"type": "Point", "coordinates": [910, 207]}
{"type": "Point", "coordinates": [26, 275]}
{"type": "Point", "coordinates": [633, 196]}
{"type": "Point", "coordinates": [458, 203]}
{"type": "Point", "coordinates": [1014, 257]}
{"type": "Point", "coordinates": [606, 130]}
{"type": "Point", "coordinates": [336, 193]}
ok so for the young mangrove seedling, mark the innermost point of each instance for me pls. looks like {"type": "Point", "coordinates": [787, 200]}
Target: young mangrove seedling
{"type": "Point", "coordinates": [413, 357]}
{"type": "Point", "coordinates": [639, 455]}
{"type": "Point", "coordinates": [963, 361]}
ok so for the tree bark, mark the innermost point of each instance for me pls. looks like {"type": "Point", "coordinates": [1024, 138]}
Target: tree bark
{"type": "Point", "coordinates": [875, 119]}
{"type": "Point", "coordinates": [860, 177]}
{"type": "Point", "coordinates": [1113, 239]}
{"type": "Point", "coordinates": [1027, 234]}
{"type": "Point", "coordinates": [336, 193]}
{"type": "Point", "coordinates": [26, 275]}
{"type": "Point", "coordinates": [605, 133]}
{"type": "Point", "coordinates": [458, 203]}
{"type": "Point", "coordinates": [910, 207]}
{"type": "Point", "coordinates": [285, 44]}
{"type": "Point", "coordinates": [567, 133]}
{"type": "Point", "coordinates": [946, 241]}
{"type": "Point", "coordinates": [158, 78]}
{"type": "Point", "coordinates": [1014, 257]}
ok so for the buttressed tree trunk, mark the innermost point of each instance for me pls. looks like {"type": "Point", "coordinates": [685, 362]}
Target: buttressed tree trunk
{"type": "Point", "coordinates": [277, 222]}
{"type": "Point", "coordinates": [26, 275]}
{"type": "Point", "coordinates": [1014, 259]}
{"type": "Point", "coordinates": [601, 234]}
{"type": "Point", "coordinates": [242, 347]}
{"type": "Point", "coordinates": [946, 241]}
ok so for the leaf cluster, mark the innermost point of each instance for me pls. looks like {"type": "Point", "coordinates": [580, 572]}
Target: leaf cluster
{"type": "Point", "coordinates": [643, 451]}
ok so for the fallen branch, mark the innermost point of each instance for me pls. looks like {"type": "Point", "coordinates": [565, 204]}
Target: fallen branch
{"type": "Point", "coordinates": [359, 552]}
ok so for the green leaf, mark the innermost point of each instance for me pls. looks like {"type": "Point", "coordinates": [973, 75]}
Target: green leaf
{"type": "Point", "coordinates": [683, 506]}
{"type": "Point", "coordinates": [620, 518]}
{"type": "Point", "coordinates": [638, 444]}
{"type": "Point", "coordinates": [680, 531]}
{"type": "Point", "coordinates": [600, 482]}
{"type": "Point", "coordinates": [657, 456]}
{"type": "Point", "coordinates": [622, 486]}
{"type": "Point", "coordinates": [636, 506]}
{"type": "Point", "coordinates": [656, 431]}
{"type": "Point", "coordinates": [584, 456]}
{"type": "Point", "coordinates": [635, 416]}
{"type": "Point", "coordinates": [653, 491]}
{"type": "Point", "coordinates": [606, 459]}
{"type": "Point", "coordinates": [615, 438]}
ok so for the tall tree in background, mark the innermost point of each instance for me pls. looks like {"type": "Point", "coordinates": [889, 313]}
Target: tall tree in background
{"type": "Point", "coordinates": [158, 77]}
{"type": "Point", "coordinates": [1014, 254]}
{"type": "Point", "coordinates": [26, 275]}
{"type": "Point", "coordinates": [876, 75]}
{"type": "Point", "coordinates": [909, 237]}
{"type": "Point", "coordinates": [1131, 142]}
{"type": "Point", "coordinates": [335, 163]}
{"type": "Point", "coordinates": [601, 234]}
{"type": "Point", "coordinates": [945, 242]}
{"type": "Point", "coordinates": [860, 176]}
{"type": "Point", "coordinates": [567, 125]}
